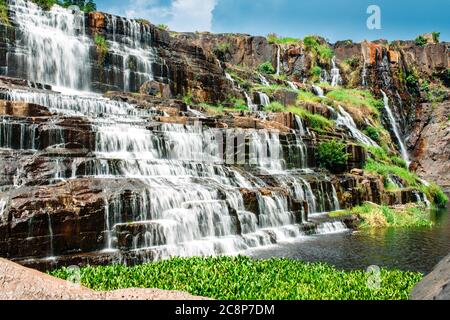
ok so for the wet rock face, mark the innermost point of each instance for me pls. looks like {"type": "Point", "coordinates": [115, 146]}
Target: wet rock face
{"type": "Point", "coordinates": [430, 140]}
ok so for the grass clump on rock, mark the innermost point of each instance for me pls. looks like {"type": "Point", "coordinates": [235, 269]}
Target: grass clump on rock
{"type": "Point", "coordinates": [241, 278]}
{"type": "Point", "coordinates": [4, 19]}
{"type": "Point", "coordinates": [331, 154]}
{"type": "Point", "coordinates": [315, 121]}
{"type": "Point", "coordinates": [405, 216]}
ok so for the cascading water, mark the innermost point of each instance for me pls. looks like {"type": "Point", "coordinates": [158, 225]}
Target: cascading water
{"type": "Point", "coordinates": [344, 119]}
{"type": "Point", "coordinates": [292, 85]}
{"type": "Point", "coordinates": [336, 78]}
{"type": "Point", "coordinates": [184, 200]}
{"type": "Point", "coordinates": [318, 91]}
{"type": "Point", "coordinates": [251, 106]}
{"type": "Point", "coordinates": [134, 48]}
{"type": "Point", "coordinates": [264, 99]}
{"type": "Point", "coordinates": [56, 49]}
{"type": "Point", "coordinates": [278, 60]}
{"type": "Point", "coordinates": [364, 76]}
{"type": "Point", "coordinates": [395, 128]}
{"type": "Point", "coordinates": [263, 80]}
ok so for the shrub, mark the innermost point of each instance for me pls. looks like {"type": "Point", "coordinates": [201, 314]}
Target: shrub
{"type": "Point", "coordinates": [242, 278]}
{"type": "Point", "coordinates": [274, 107]}
{"type": "Point", "coordinates": [373, 133]}
{"type": "Point", "coordinates": [437, 94]}
{"type": "Point", "coordinates": [332, 153]}
{"type": "Point", "coordinates": [163, 26]}
{"type": "Point", "coordinates": [222, 48]}
{"type": "Point", "coordinates": [325, 53]}
{"type": "Point", "coordinates": [436, 195]}
{"type": "Point", "coordinates": [4, 19]}
{"type": "Point", "coordinates": [266, 68]}
{"type": "Point", "coordinates": [421, 41]}
{"type": "Point", "coordinates": [102, 48]}
{"type": "Point", "coordinates": [311, 42]}
{"type": "Point", "coordinates": [436, 37]}
{"type": "Point", "coordinates": [46, 4]}
{"type": "Point", "coordinates": [352, 62]}
{"type": "Point", "coordinates": [316, 71]}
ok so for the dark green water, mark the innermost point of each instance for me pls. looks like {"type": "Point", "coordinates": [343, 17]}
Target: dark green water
{"type": "Point", "coordinates": [412, 249]}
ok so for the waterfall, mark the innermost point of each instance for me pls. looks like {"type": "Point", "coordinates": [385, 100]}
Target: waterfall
{"type": "Point", "coordinates": [318, 91]}
{"type": "Point", "coordinates": [229, 78]}
{"type": "Point", "coordinates": [324, 77]}
{"type": "Point", "coordinates": [336, 78]}
{"type": "Point", "coordinates": [56, 47]}
{"type": "Point", "coordinates": [292, 85]}
{"type": "Point", "coordinates": [395, 128]}
{"type": "Point", "coordinates": [344, 119]}
{"type": "Point", "coordinates": [2, 207]}
{"type": "Point", "coordinates": [134, 48]}
{"type": "Point", "coordinates": [264, 99]}
{"type": "Point", "coordinates": [176, 195]}
{"type": "Point", "coordinates": [364, 76]}
{"type": "Point", "coordinates": [251, 106]}
{"type": "Point", "coordinates": [51, 255]}
{"type": "Point", "coordinates": [263, 80]}
{"type": "Point", "coordinates": [278, 60]}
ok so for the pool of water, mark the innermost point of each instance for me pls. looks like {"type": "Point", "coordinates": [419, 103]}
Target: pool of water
{"type": "Point", "coordinates": [412, 249]}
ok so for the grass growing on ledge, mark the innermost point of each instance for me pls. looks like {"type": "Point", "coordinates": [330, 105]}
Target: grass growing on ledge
{"type": "Point", "coordinates": [102, 48]}
{"type": "Point", "coordinates": [375, 216]}
{"type": "Point", "coordinates": [4, 19]}
{"type": "Point", "coordinates": [357, 99]}
{"type": "Point", "coordinates": [242, 278]}
{"type": "Point", "coordinates": [316, 121]}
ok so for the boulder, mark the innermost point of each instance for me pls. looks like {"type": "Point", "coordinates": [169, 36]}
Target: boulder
{"type": "Point", "coordinates": [436, 285]}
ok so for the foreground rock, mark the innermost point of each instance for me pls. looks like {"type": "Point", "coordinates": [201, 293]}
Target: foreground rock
{"type": "Point", "coordinates": [436, 285]}
{"type": "Point", "coordinates": [20, 283]}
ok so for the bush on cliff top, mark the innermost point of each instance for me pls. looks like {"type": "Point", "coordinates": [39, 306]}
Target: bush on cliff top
{"type": "Point", "coordinates": [274, 39]}
{"type": "Point", "coordinates": [241, 278]}
{"type": "Point", "coordinates": [84, 5]}
{"type": "Point", "coordinates": [266, 68]}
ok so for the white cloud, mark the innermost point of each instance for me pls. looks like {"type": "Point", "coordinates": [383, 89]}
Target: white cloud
{"type": "Point", "coordinates": [180, 15]}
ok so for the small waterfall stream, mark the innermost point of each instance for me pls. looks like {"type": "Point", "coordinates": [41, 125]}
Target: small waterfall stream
{"type": "Point", "coordinates": [395, 128]}
{"type": "Point", "coordinates": [336, 78]}
{"type": "Point", "coordinates": [278, 60]}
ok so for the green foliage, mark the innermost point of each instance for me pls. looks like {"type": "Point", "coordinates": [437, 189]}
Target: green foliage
{"type": "Point", "coordinates": [316, 71]}
{"type": "Point", "coordinates": [325, 53]}
{"type": "Point", "coordinates": [421, 41]}
{"type": "Point", "coordinates": [274, 107]}
{"type": "Point", "coordinates": [315, 121]}
{"type": "Point", "coordinates": [409, 216]}
{"type": "Point", "coordinates": [272, 38]}
{"type": "Point", "coordinates": [332, 153]}
{"type": "Point", "coordinates": [436, 194]}
{"type": "Point", "coordinates": [352, 62]}
{"type": "Point", "coordinates": [436, 94]}
{"type": "Point", "coordinates": [385, 170]}
{"type": "Point", "coordinates": [102, 48]}
{"type": "Point", "coordinates": [163, 26]}
{"type": "Point", "coordinates": [266, 68]}
{"type": "Point", "coordinates": [436, 37]}
{"type": "Point", "coordinates": [46, 4]}
{"type": "Point", "coordinates": [222, 48]}
{"type": "Point", "coordinates": [85, 6]}
{"type": "Point", "coordinates": [4, 19]}
{"type": "Point", "coordinates": [306, 96]}
{"type": "Point", "coordinates": [241, 278]}
{"type": "Point", "coordinates": [356, 98]}
{"type": "Point", "coordinates": [373, 133]}
{"type": "Point", "coordinates": [311, 42]}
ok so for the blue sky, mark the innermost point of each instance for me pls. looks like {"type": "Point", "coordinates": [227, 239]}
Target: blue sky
{"type": "Point", "coordinates": [332, 19]}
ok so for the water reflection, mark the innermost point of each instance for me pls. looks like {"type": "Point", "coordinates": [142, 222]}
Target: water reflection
{"type": "Point", "coordinates": [414, 249]}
